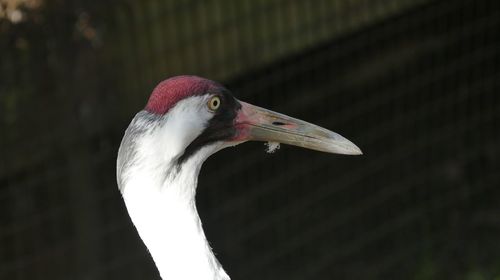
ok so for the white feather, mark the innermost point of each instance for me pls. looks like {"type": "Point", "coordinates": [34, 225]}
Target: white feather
{"type": "Point", "coordinates": [163, 208]}
{"type": "Point", "coordinates": [272, 146]}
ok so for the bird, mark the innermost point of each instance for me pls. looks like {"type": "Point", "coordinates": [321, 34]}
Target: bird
{"type": "Point", "coordinates": [187, 119]}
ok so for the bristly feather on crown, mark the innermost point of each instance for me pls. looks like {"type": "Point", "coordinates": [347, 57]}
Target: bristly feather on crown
{"type": "Point", "coordinates": [169, 92]}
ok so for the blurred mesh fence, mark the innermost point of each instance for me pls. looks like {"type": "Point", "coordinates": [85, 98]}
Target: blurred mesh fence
{"type": "Point", "coordinates": [414, 83]}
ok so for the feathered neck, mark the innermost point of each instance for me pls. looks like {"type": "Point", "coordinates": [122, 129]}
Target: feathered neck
{"type": "Point", "coordinates": [160, 199]}
{"type": "Point", "coordinates": [164, 213]}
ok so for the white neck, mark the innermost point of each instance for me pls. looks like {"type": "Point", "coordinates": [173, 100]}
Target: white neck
{"type": "Point", "coordinates": [161, 204]}
{"type": "Point", "coordinates": [159, 192]}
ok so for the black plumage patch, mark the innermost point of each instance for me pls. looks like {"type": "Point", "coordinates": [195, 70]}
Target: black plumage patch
{"type": "Point", "coordinates": [219, 128]}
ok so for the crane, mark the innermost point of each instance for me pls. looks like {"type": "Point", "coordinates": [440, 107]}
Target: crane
{"type": "Point", "coordinates": [187, 119]}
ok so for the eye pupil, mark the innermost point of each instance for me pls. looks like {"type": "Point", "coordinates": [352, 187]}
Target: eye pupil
{"type": "Point", "coordinates": [214, 103]}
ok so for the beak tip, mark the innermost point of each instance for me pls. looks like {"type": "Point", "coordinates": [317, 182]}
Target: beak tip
{"type": "Point", "coordinates": [357, 151]}
{"type": "Point", "coordinates": [354, 151]}
{"type": "Point", "coordinates": [346, 149]}
{"type": "Point", "coordinates": [344, 146]}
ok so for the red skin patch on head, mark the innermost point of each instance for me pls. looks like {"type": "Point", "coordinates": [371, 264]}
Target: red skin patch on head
{"type": "Point", "coordinates": [172, 90]}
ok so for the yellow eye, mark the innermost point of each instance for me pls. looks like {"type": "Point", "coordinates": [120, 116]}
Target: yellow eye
{"type": "Point", "coordinates": [214, 103]}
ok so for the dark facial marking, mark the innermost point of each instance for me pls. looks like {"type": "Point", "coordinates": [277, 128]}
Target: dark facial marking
{"type": "Point", "coordinates": [219, 128]}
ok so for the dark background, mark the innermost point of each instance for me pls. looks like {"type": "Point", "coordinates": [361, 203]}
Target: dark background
{"type": "Point", "coordinates": [414, 83]}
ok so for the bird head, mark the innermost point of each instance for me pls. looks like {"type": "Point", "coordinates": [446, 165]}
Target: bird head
{"type": "Point", "coordinates": [187, 115]}
{"type": "Point", "coordinates": [187, 119]}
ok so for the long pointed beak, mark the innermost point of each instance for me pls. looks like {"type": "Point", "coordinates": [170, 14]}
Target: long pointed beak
{"type": "Point", "coordinates": [259, 124]}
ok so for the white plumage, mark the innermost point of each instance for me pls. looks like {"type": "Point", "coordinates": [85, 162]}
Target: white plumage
{"type": "Point", "coordinates": [163, 208]}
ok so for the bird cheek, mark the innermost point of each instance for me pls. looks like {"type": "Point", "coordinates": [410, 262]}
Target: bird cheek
{"type": "Point", "coordinates": [242, 125]}
{"type": "Point", "coordinates": [241, 133]}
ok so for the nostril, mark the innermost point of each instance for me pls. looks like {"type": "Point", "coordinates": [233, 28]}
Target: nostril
{"type": "Point", "coordinates": [278, 123]}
